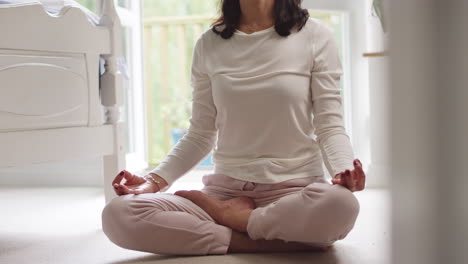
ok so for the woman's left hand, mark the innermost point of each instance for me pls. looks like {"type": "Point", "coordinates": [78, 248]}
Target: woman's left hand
{"type": "Point", "coordinates": [354, 180]}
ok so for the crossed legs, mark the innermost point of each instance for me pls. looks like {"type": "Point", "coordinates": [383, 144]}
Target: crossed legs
{"type": "Point", "coordinates": [235, 213]}
{"type": "Point", "coordinates": [194, 223]}
{"type": "Point", "coordinates": [321, 213]}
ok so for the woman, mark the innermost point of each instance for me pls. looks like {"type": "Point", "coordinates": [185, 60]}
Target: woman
{"type": "Point", "coordinates": [257, 76]}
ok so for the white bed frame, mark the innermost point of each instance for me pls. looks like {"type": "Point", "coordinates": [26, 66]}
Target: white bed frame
{"type": "Point", "coordinates": [51, 94]}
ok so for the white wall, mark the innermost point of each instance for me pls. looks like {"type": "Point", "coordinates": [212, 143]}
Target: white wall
{"type": "Point", "coordinates": [379, 90]}
{"type": "Point", "coordinates": [84, 172]}
{"type": "Point", "coordinates": [429, 129]}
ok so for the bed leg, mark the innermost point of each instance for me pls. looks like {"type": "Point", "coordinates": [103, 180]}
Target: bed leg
{"type": "Point", "coordinates": [111, 92]}
{"type": "Point", "coordinates": [114, 163]}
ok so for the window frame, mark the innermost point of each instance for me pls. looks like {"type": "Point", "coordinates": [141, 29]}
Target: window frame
{"type": "Point", "coordinates": [136, 158]}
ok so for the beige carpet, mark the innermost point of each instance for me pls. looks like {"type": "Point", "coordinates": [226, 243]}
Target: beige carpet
{"type": "Point", "coordinates": [62, 225]}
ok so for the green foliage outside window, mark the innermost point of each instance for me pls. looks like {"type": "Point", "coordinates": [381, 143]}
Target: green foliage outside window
{"type": "Point", "coordinates": [90, 4]}
{"type": "Point", "coordinates": [157, 8]}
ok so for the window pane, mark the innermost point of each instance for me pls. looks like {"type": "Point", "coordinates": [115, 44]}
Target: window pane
{"type": "Point", "coordinates": [124, 3]}
{"type": "Point", "coordinates": [90, 4]}
{"type": "Point", "coordinates": [158, 8]}
{"type": "Point", "coordinates": [171, 28]}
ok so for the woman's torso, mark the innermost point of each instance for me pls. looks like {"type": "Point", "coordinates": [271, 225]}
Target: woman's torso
{"type": "Point", "coordinates": [261, 90]}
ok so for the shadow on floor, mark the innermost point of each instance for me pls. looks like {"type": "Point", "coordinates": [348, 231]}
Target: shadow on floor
{"type": "Point", "coordinates": [328, 257]}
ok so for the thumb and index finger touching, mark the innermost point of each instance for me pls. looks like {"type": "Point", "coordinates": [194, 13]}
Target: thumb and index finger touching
{"type": "Point", "coordinates": [352, 179]}
{"type": "Point", "coordinates": [135, 184]}
{"type": "Point", "coordinates": [129, 177]}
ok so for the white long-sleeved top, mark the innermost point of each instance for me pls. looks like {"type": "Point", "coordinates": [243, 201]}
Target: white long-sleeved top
{"type": "Point", "coordinates": [268, 106]}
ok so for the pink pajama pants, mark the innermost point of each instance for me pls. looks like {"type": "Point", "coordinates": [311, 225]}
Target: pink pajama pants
{"type": "Point", "coordinates": [307, 210]}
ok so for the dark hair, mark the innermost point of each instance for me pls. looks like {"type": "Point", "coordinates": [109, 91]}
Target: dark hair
{"type": "Point", "coordinates": [287, 14]}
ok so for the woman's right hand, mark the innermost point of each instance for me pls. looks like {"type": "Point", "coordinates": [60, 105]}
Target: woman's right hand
{"type": "Point", "coordinates": [135, 184]}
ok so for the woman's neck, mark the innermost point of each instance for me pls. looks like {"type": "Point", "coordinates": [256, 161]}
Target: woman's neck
{"type": "Point", "coordinates": [257, 13]}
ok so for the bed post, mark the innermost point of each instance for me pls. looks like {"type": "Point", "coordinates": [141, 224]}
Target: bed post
{"type": "Point", "coordinates": [111, 93]}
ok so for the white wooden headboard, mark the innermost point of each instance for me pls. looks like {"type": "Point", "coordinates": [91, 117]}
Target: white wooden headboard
{"type": "Point", "coordinates": [51, 93]}
{"type": "Point", "coordinates": [49, 67]}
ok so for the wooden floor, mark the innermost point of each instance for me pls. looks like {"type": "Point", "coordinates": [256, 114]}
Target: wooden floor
{"type": "Point", "coordinates": [62, 225]}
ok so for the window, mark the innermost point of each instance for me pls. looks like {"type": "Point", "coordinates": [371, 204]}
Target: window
{"type": "Point", "coordinates": [170, 31]}
{"type": "Point", "coordinates": [134, 104]}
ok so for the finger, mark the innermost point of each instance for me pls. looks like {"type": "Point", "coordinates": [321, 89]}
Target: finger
{"type": "Point", "coordinates": [336, 179]}
{"type": "Point", "coordinates": [361, 176]}
{"type": "Point", "coordinates": [348, 180]}
{"type": "Point", "coordinates": [119, 177]}
{"type": "Point", "coordinates": [362, 181]}
{"type": "Point", "coordinates": [356, 162]}
{"type": "Point", "coordinates": [118, 189]}
{"type": "Point", "coordinates": [136, 180]}
{"type": "Point", "coordinates": [129, 178]}
{"type": "Point", "coordinates": [358, 165]}
{"type": "Point", "coordinates": [124, 189]}
{"type": "Point", "coordinates": [343, 181]}
{"type": "Point", "coordinates": [354, 179]}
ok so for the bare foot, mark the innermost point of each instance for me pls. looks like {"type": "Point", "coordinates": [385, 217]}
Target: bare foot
{"type": "Point", "coordinates": [233, 213]}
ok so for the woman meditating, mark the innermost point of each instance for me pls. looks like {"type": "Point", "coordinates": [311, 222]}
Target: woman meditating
{"type": "Point", "coordinates": [266, 100]}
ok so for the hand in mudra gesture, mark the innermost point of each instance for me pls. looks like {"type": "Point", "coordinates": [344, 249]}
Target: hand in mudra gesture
{"type": "Point", "coordinates": [135, 184]}
{"type": "Point", "coordinates": [354, 180]}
